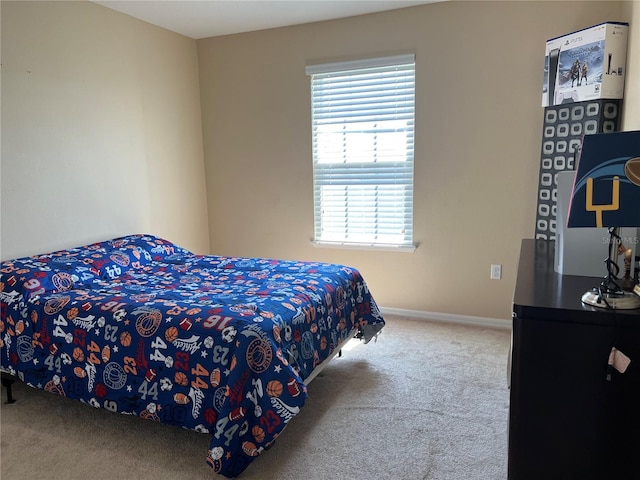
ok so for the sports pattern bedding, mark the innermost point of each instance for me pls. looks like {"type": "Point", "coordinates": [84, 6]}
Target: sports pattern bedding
{"type": "Point", "coordinates": [140, 326]}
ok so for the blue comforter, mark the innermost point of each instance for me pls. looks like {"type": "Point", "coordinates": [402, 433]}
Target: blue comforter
{"type": "Point", "coordinates": [140, 326]}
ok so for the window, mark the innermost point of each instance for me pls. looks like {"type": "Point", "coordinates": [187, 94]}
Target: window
{"type": "Point", "coordinates": [363, 131]}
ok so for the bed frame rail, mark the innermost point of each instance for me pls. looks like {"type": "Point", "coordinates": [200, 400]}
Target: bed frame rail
{"type": "Point", "coordinates": [7, 382]}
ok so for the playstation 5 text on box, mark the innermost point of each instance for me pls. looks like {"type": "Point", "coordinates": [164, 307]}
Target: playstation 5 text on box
{"type": "Point", "coordinates": [586, 65]}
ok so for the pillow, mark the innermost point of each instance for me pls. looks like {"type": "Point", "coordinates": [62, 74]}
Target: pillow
{"type": "Point", "coordinates": [66, 269]}
{"type": "Point", "coordinates": [75, 262]}
{"type": "Point", "coordinates": [107, 260]}
{"type": "Point", "coordinates": [135, 252]}
{"type": "Point", "coordinates": [123, 260]}
{"type": "Point", "coordinates": [158, 248]}
{"type": "Point", "coordinates": [41, 275]}
{"type": "Point", "coordinates": [42, 282]}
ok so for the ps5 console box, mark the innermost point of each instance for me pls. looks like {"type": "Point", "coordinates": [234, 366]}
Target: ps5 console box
{"type": "Point", "coordinates": [585, 65]}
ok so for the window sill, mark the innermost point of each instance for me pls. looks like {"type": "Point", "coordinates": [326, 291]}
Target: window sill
{"type": "Point", "coordinates": [365, 246]}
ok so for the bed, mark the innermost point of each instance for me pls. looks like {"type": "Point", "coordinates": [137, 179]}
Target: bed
{"type": "Point", "coordinates": [221, 345]}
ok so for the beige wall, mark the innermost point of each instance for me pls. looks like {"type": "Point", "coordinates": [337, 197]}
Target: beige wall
{"type": "Point", "coordinates": [478, 133]}
{"type": "Point", "coordinates": [631, 108]}
{"type": "Point", "coordinates": [101, 130]}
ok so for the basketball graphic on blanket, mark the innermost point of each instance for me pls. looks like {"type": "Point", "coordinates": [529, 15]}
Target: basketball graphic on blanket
{"type": "Point", "coordinates": [181, 379]}
{"type": "Point", "coordinates": [101, 390]}
{"type": "Point", "coordinates": [25, 348]}
{"type": "Point", "coordinates": [171, 334]}
{"type": "Point", "coordinates": [62, 281]}
{"type": "Point", "coordinates": [120, 258]}
{"type": "Point", "coordinates": [78, 355]}
{"type": "Point", "coordinates": [125, 339]}
{"type": "Point", "coordinates": [114, 376]}
{"type": "Point", "coordinates": [55, 304]}
{"type": "Point", "coordinates": [259, 355]}
{"type": "Point", "coordinates": [210, 416]}
{"type": "Point", "coordinates": [147, 323]}
{"type": "Point", "coordinates": [72, 313]}
{"type": "Point", "coordinates": [274, 388]}
{"type": "Point", "coordinates": [258, 433]}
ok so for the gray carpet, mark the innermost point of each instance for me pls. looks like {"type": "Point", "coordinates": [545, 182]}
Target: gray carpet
{"type": "Point", "coordinates": [427, 401]}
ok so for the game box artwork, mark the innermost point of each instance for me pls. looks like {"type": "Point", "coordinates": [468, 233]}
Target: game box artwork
{"type": "Point", "coordinates": [585, 65]}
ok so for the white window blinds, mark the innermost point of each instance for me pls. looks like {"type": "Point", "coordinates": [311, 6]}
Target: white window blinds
{"type": "Point", "coordinates": [363, 137]}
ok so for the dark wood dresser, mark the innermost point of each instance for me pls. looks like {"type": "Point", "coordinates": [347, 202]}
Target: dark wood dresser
{"type": "Point", "coordinates": [566, 420]}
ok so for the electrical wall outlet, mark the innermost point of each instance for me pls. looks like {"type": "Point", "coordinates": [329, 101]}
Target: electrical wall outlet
{"type": "Point", "coordinates": [496, 271]}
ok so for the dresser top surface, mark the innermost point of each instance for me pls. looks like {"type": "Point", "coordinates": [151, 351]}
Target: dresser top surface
{"type": "Point", "coordinates": [541, 291]}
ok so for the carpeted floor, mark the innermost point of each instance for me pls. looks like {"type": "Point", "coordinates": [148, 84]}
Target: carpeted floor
{"type": "Point", "coordinates": [427, 401]}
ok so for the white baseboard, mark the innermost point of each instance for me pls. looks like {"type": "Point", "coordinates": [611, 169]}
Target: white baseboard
{"type": "Point", "coordinates": [449, 318]}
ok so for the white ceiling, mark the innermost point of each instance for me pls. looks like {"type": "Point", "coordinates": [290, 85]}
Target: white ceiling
{"type": "Point", "coordinates": [208, 18]}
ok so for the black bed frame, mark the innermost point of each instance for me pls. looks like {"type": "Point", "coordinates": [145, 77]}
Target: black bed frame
{"type": "Point", "coordinates": [7, 382]}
